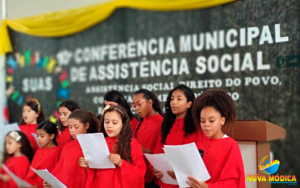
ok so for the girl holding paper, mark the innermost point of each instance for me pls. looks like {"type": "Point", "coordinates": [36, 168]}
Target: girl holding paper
{"type": "Point", "coordinates": [115, 98]}
{"type": "Point", "coordinates": [47, 156]}
{"type": "Point", "coordinates": [32, 115]}
{"type": "Point", "coordinates": [64, 111]}
{"type": "Point", "coordinates": [148, 108]}
{"type": "Point", "coordinates": [67, 169]}
{"type": "Point", "coordinates": [214, 110]}
{"type": "Point", "coordinates": [125, 151]}
{"type": "Point", "coordinates": [178, 126]}
{"type": "Point", "coordinates": [17, 157]}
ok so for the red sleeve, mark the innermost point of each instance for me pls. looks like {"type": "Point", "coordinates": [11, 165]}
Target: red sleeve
{"type": "Point", "coordinates": [20, 169]}
{"type": "Point", "coordinates": [59, 166]}
{"type": "Point", "coordinates": [159, 146]}
{"type": "Point", "coordinates": [31, 177]}
{"type": "Point", "coordinates": [132, 175]}
{"type": "Point", "coordinates": [90, 177]}
{"type": "Point", "coordinates": [232, 174]}
{"type": "Point", "coordinates": [134, 123]}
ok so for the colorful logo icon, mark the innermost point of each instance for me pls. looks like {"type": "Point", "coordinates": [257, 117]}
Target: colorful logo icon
{"type": "Point", "coordinates": [267, 167]}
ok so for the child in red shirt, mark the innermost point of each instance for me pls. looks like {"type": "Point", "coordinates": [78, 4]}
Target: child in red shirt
{"type": "Point", "coordinates": [178, 126]}
{"type": "Point", "coordinates": [47, 156]}
{"type": "Point", "coordinates": [125, 151]}
{"type": "Point", "coordinates": [64, 111]}
{"type": "Point", "coordinates": [17, 157]}
{"type": "Point", "coordinates": [213, 110]}
{"type": "Point", "coordinates": [67, 169]}
{"type": "Point", "coordinates": [147, 133]}
{"type": "Point", "coordinates": [31, 117]}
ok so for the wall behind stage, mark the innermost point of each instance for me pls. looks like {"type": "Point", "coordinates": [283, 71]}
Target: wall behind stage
{"type": "Point", "coordinates": [249, 48]}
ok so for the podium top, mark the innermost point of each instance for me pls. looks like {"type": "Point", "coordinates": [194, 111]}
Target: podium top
{"type": "Point", "coordinates": [255, 130]}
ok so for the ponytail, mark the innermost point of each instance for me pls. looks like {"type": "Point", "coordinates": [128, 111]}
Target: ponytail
{"type": "Point", "coordinates": [94, 123]}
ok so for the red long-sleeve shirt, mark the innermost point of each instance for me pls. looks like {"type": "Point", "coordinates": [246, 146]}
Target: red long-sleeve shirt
{"type": "Point", "coordinates": [63, 137]}
{"type": "Point", "coordinates": [27, 130]}
{"type": "Point", "coordinates": [128, 176]}
{"type": "Point", "coordinates": [223, 160]}
{"type": "Point", "coordinates": [44, 158]}
{"type": "Point", "coordinates": [19, 166]}
{"type": "Point", "coordinates": [147, 136]}
{"type": "Point", "coordinates": [67, 169]}
{"type": "Point", "coordinates": [134, 123]}
{"type": "Point", "coordinates": [176, 137]}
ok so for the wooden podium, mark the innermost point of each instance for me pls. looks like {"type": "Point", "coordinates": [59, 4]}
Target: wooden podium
{"type": "Point", "coordinates": [254, 138]}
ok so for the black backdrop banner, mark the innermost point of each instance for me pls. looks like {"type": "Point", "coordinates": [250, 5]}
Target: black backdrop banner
{"type": "Point", "coordinates": [249, 48]}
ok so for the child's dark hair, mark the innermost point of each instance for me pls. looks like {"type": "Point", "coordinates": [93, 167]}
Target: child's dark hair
{"type": "Point", "coordinates": [169, 118]}
{"type": "Point", "coordinates": [70, 105]}
{"type": "Point", "coordinates": [124, 139]}
{"type": "Point", "coordinates": [50, 128]}
{"type": "Point", "coordinates": [117, 97]}
{"type": "Point", "coordinates": [149, 95]}
{"type": "Point", "coordinates": [35, 105]}
{"type": "Point", "coordinates": [25, 149]}
{"type": "Point", "coordinates": [99, 119]}
{"type": "Point", "coordinates": [86, 117]}
{"type": "Point", "coordinates": [219, 100]}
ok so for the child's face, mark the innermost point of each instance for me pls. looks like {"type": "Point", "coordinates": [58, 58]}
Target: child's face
{"type": "Point", "coordinates": [29, 115]}
{"type": "Point", "coordinates": [76, 127]}
{"type": "Point", "coordinates": [211, 122]}
{"type": "Point", "coordinates": [141, 105]}
{"type": "Point", "coordinates": [179, 103]}
{"type": "Point", "coordinates": [43, 137]}
{"type": "Point", "coordinates": [64, 114]}
{"type": "Point", "coordinates": [112, 123]}
{"type": "Point", "coordinates": [11, 145]}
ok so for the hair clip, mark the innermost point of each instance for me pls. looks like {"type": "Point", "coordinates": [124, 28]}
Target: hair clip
{"type": "Point", "coordinates": [119, 111]}
{"type": "Point", "coordinates": [38, 105]}
{"type": "Point", "coordinates": [15, 135]}
{"type": "Point", "coordinates": [105, 108]}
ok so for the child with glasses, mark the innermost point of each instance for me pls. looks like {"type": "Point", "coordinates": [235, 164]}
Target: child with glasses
{"type": "Point", "coordinates": [147, 132]}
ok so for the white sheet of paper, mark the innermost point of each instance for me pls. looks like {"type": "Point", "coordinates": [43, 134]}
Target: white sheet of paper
{"type": "Point", "coordinates": [9, 127]}
{"type": "Point", "coordinates": [35, 137]}
{"type": "Point", "coordinates": [95, 150]}
{"type": "Point", "coordinates": [186, 161]}
{"type": "Point", "coordinates": [160, 162]}
{"type": "Point", "coordinates": [49, 178]}
{"type": "Point", "coordinates": [19, 181]}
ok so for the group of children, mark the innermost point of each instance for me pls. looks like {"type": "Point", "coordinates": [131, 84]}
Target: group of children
{"type": "Point", "coordinates": [185, 120]}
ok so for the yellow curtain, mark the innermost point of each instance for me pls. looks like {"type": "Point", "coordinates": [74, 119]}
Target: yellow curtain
{"type": "Point", "coordinates": [62, 23]}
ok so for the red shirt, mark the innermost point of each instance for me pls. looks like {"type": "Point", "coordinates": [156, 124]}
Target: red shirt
{"type": "Point", "coordinates": [63, 137]}
{"type": "Point", "coordinates": [27, 130]}
{"type": "Point", "coordinates": [67, 169]}
{"type": "Point", "coordinates": [147, 136]}
{"type": "Point", "coordinates": [44, 158]}
{"type": "Point", "coordinates": [223, 160]}
{"type": "Point", "coordinates": [134, 123]}
{"type": "Point", "coordinates": [19, 166]}
{"type": "Point", "coordinates": [176, 137]}
{"type": "Point", "coordinates": [128, 176]}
